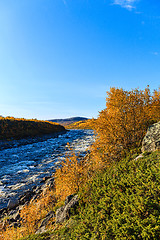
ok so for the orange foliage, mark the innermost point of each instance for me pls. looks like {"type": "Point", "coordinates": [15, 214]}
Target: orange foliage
{"type": "Point", "coordinates": [123, 124]}
{"type": "Point", "coordinates": [155, 105]}
{"type": "Point", "coordinates": [31, 215]}
{"type": "Point", "coordinates": [69, 177]}
{"type": "Point", "coordinates": [19, 127]}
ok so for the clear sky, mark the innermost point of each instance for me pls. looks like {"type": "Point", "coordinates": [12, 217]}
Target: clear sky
{"type": "Point", "coordinates": [59, 57]}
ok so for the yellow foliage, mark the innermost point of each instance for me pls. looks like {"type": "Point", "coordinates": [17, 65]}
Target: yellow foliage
{"type": "Point", "coordinates": [70, 176]}
{"type": "Point", "coordinates": [122, 125]}
{"type": "Point", "coordinates": [19, 127]}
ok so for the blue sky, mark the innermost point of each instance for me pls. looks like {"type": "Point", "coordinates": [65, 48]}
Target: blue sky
{"type": "Point", "coordinates": [59, 57]}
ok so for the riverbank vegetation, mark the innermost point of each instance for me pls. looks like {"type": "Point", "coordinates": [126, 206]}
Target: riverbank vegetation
{"type": "Point", "coordinates": [119, 194]}
{"type": "Point", "coordinates": [16, 128]}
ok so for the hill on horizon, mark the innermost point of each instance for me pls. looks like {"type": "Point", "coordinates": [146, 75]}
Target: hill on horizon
{"type": "Point", "coordinates": [67, 121]}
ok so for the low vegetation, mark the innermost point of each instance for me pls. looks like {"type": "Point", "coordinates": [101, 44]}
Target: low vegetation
{"type": "Point", "coordinates": [16, 128]}
{"type": "Point", "coordinates": [119, 196]}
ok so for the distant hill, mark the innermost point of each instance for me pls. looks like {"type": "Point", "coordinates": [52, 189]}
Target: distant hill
{"type": "Point", "coordinates": [67, 121]}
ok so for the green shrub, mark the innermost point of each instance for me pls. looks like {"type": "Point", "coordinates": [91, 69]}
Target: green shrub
{"type": "Point", "coordinates": [122, 203]}
{"type": "Point", "coordinates": [43, 236]}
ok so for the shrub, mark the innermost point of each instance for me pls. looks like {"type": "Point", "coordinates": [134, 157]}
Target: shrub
{"type": "Point", "coordinates": [70, 176]}
{"type": "Point", "coordinates": [122, 203]}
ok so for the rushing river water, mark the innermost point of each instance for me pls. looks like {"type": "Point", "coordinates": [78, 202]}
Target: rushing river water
{"type": "Point", "coordinates": [24, 163]}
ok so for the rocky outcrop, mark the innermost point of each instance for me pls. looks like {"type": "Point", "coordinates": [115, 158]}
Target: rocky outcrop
{"type": "Point", "coordinates": [64, 212]}
{"type": "Point", "coordinates": [151, 141]}
{"type": "Point", "coordinates": [45, 222]}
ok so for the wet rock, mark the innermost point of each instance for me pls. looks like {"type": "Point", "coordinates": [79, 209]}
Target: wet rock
{"type": "Point", "coordinates": [13, 203]}
{"type": "Point", "coordinates": [64, 212]}
{"type": "Point", "coordinates": [151, 141]}
{"type": "Point", "coordinates": [26, 197]}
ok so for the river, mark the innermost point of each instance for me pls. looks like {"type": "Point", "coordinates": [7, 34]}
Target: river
{"type": "Point", "coordinates": [24, 163]}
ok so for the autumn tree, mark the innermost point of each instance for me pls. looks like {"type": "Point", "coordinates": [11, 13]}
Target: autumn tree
{"type": "Point", "coordinates": [122, 125]}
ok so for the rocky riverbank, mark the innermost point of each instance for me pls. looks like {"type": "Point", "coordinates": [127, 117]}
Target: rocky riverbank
{"type": "Point", "coordinates": [11, 213]}
{"type": "Point", "coordinates": [28, 167]}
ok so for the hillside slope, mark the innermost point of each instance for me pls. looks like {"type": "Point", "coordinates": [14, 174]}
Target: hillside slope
{"type": "Point", "coordinates": [121, 203]}
{"type": "Point", "coordinates": [19, 128]}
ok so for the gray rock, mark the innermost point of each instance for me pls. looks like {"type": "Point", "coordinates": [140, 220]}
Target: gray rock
{"type": "Point", "coordinates": [15, 215]}
{"type": "Point", "coordinates": [60, 215]}
{"type": "Point", "coordinates": [47, 218]}
{"type": "Point", "coordinates": [138, 157]}
{"type": "Point", "coordinates": [68, 199]}
{"type": "Point", "coordinates": [45, 221]}
{"type": "Point", "coordinates": [151, 141]}
{"type": "Point", "coordinates": [64, 212]}
{"type": "Point", "coordinates": [13, 203]}
{"type": "Point", "coordinates": [12, 212]}
{"type": "Point", "coordinates": [41, 230]}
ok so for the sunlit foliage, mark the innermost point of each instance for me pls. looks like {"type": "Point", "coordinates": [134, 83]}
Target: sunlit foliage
{"type": "Point", "coordinates": [19, 127]}
{"type": "Point", "coordinates": [122, 125]}
{"type": "Point", "coordinates": [70, 176]}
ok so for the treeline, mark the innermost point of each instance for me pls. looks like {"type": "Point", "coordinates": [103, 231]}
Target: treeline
{"type": "Point", "coordinates": [119, 197]}
{"type": "Point", "coordinates": [16, 128]}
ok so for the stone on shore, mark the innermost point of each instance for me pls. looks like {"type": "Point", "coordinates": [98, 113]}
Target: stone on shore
{"type": "Point", "coordinates": [151, 141]}
{"type": "Point", "coordinates": [63, 213]}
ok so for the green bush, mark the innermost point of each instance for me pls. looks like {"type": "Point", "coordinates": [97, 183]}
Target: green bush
{"type": "Point", "coordinates": [43, 236]}
{"type": "Point", "coordinates": [122, 203]}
